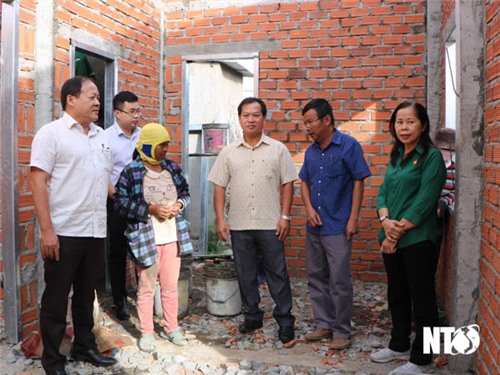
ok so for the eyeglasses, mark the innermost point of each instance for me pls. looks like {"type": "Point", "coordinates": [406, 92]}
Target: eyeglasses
{"type": "Point", "coordinates": [309, 123]}
{"type": "Point", "coordinates": [133, 112]}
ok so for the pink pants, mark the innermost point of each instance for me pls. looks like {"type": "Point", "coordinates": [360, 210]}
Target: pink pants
{"type": "Point", "coordinates": [167, 269]}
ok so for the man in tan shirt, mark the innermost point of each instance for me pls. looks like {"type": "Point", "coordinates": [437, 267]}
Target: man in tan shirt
{"type": "Point", "coordinates": [257, 169]}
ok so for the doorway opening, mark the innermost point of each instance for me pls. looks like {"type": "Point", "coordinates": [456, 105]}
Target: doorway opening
{"type": "Point", "coordinates": [88, 61]}
{"type": "Point", "coordinates": [213, 86]}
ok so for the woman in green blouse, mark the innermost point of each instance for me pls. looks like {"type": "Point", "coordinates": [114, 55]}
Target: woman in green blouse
{"type": "Point", "coordinates": [407, 206]}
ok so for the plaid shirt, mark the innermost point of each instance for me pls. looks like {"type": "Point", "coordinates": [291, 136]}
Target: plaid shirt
{"type": "Point", "coordinates": [130, 203]}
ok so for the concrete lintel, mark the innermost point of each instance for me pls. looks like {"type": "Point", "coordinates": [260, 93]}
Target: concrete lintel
{"type": "Point", "coordinates": [83, 39]}
{"type": "Point", "coordinates": [470, 33]}
{"type": "Point", "coordinates": [221, 48]}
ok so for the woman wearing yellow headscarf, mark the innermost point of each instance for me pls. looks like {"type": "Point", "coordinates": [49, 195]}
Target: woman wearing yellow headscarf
{"type": "Point", "coordinates": [152, 194]}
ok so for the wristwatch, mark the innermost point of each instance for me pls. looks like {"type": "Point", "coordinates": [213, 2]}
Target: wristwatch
{"type": "Point", "coordinates": [287, 218]}
{"type": "Point", "coordinates": [383, 218]}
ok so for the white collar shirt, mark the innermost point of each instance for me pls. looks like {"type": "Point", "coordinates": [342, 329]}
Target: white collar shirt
{"type": "Point", "coordinates": [122, 148]}
{"type": "Point", "coordinates": [254, 176]}
{"type": "Point", "coordinates": [79, 166]}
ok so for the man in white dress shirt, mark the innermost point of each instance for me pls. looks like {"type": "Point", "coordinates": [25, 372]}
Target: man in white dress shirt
{"type": "Point", "coordinates": [122, 138]}
{"type": "Point", "coordinates": [70, 167]}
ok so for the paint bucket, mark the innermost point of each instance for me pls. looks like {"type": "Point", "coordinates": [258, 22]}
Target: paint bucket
{"type": "Point", "coordinates": [221, 286]}
{"type": "Point", "coordinates": [214, 137]}
{"type": "Point", "coordinates": [183, 299]}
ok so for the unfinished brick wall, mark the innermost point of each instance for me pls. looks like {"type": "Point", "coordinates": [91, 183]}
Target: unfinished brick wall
{"type": "Point", "coordinates": [363, 56]}
{"type": "Point", "coordinates": [447, 8]}
{"type": "Point", "coordinates": [131, 25]}
{"type": "Point", "coordinates": [26, 127]}
{"type": "Point", "coordinates": [488, 358]}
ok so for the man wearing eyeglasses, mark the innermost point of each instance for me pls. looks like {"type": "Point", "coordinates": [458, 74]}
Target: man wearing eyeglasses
{"type": "Point", "coordinates": [122, 138]}
{"type": "Point", "coordinates": [332, 190]}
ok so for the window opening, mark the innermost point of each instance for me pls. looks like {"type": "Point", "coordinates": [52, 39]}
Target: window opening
{"type": "Point", "coordinates": [451, 94]}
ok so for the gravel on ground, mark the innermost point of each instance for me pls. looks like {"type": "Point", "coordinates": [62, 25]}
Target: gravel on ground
{"type": "Point", "coordinates": [217, 348]}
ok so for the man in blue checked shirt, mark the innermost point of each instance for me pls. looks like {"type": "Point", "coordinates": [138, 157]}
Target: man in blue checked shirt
{"type": "Point", "coordinates": [332, 190]}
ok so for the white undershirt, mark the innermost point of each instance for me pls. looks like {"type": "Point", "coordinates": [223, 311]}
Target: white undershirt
{"type": "Point", "coordinates": [159, 188]}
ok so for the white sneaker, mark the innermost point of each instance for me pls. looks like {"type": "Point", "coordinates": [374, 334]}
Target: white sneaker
{"type": "Point", "coordinates": [410, 369]}
{"type": "Point", "coordinates": [387, 355]}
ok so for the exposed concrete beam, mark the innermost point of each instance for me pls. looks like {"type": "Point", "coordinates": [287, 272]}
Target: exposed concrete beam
{"type": "Point", "coordinates": [220, 48]}
{"type": "Point", "coordinates": [44, 91]}
{"type": "Point", "coordinates": [8, 141]}
{"type": "Point", "coordinates": [161, 78]}
{"type": "Point", "coordinates": [470, 22]}
{"type": "Point", "coordinates": [433, 62]}
{"type": "Point", "coordinates": [44, 63]}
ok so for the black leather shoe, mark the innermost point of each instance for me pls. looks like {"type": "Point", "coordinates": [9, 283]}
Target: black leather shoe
{"type": "Point", "coordinates": [249, 326]}
{"type": "Point", "coordinates": [286, 334]}
{"type": "Point", "coordinates": [94, 357]}
{"type": "Point", "coordinates": [57, 372]}
{"type": "Point", "coordinates": [122, 312]}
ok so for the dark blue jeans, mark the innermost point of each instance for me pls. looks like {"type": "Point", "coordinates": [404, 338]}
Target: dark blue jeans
{"type": "Point", "coordinates": [410, 275]}
{"type": "Point", "coordinates": [247, 244]}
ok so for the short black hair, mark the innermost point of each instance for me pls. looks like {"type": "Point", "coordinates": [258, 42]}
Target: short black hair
{"type": "Point", "coordinates": [445, 138]}
{"type": "Point", "coordinates": [122, 97]}
{"type": "Point", "coordinates": [250, 100]}
{"type": "Point", "coordinates": [72, 86]}
{"type": "Point", "coordinates": [322, 108]}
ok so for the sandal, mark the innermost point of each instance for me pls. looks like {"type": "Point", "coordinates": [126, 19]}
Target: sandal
{"type": "Point", "coordinates": [175, 337]}
{"type": "Point", "coordinates": [147, 343]}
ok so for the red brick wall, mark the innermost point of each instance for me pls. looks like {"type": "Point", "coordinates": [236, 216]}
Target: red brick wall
{"type": "Point", "coordinates": [132, 25]}
{"type": "Point", "coordinates": [488, 359]}
{"type": "Point", "coordinates": [363, 56]}
{"type": "Point", "coordinates": [137, 35]}
{"type": "Point", "coordinates": [447, 7]}
{"type": "Point", "coordinates": [26, 127]}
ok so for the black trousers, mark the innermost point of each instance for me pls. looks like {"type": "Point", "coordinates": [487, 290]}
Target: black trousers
{"type": "Point", "coordinates": [118, 249]}
{"type": "Point", "coordinates": [410, 274]}
{"type": "Point", "coordinates": [80, 265]}
{"type": "Point", "coordinates": [247, 244]}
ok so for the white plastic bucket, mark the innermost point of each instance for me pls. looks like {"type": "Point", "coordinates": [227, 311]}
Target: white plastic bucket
{"type": "Point", "coordinates": [223, 297]}
{"type": "Point", "coordinates": [183, 290]}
